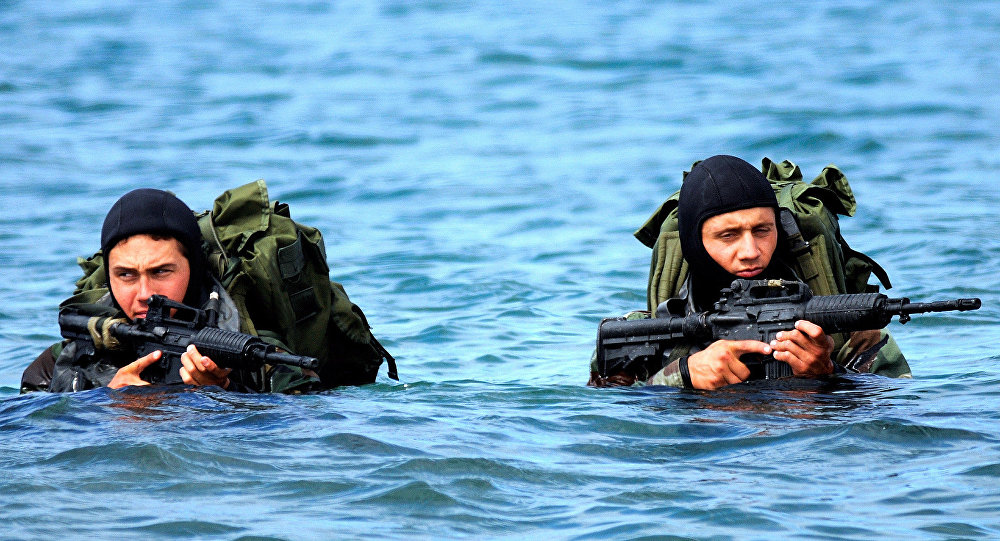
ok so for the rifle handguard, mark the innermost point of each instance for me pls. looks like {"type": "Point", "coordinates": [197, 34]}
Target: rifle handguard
{"type": "Point", "coordinates": [228, 348]}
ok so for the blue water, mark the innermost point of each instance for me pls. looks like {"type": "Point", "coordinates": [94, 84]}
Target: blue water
{"type": "Point", "coordinates": [477, 170]}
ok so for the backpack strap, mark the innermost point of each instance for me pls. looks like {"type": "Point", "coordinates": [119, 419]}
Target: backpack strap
{"type": "Point", "coordinates": [215, 254]}
{"type": "Point", "coordinates": [389, 359]}
{"type": "Point", "coordinates": [810, 265]}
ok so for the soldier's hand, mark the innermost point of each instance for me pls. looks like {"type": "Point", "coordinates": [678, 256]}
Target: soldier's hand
{"type": "Point", "coordinates": [130, 373]}
{"type": "Point", "coordinates": [807, 349]}
{"type": "Point", "coordinates": [197, 369]}
{"type": "Point", "coordinates": [719, 364]}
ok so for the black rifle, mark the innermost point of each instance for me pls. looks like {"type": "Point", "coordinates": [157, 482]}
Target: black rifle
{"type": "Point", "coordinates": [750, 310]}
{"type": "Point", "coordinates": [160, 330]}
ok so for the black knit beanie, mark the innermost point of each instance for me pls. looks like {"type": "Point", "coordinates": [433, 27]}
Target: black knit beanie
{"type": "Point", "coordinates": [715, 186]}
{"type": "Point", "coordinates": [150, 211]}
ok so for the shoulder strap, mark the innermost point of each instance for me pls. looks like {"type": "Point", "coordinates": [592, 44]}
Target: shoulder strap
{"type": "Point", "coordinates": [808, 260]}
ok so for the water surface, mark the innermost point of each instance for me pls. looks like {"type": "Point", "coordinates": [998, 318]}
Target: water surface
{"type": "Point", "coordinates": [477, 171]}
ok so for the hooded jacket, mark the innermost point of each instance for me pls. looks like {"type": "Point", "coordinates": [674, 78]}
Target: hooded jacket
{"type": "Point", "coordinates": [716, 186]}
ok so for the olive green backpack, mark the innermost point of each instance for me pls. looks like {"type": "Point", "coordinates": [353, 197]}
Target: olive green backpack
{"type": "Point", "coordinates": [276, 272]}
{"type": "Point", "coordinates": [819, 253]}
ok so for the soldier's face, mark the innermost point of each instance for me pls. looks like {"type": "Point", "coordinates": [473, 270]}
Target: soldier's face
{"type": "Point", "coordinates": [742, 241]}
{"type": "Point", "coordinates": [141, 266]}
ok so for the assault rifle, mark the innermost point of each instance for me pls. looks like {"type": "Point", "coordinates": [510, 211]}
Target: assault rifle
{"type": "Point", "coordinates": [169, 333]}
{"type": "Point", "coordinates": [750, 310]}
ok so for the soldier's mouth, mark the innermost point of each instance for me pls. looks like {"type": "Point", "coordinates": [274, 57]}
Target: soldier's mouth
{"type": "Point", "coordinates": [750, 273]}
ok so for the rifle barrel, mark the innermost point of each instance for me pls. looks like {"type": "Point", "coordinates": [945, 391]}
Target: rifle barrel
{"type": "Point", "coordinates": [960, 305]}
{"type": "Point", "coordinates": [278, 357]}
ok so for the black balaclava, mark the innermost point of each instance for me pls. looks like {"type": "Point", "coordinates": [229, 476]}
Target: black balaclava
{"type": "Point", "coordinates": [715, 186]}
{"type": "Point", "coordinates": [150, 211]}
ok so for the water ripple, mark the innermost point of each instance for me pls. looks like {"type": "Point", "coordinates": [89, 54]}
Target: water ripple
{"type": "Point", "coordinates": [477, 171]}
